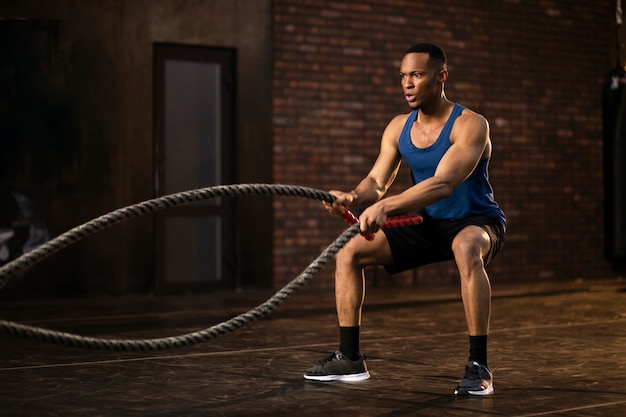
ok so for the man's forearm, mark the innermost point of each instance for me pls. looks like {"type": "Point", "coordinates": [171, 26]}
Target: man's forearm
{"type": "Point", "coordinates": [367, 193]}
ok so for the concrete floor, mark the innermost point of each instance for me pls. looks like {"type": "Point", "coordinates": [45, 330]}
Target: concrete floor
{"type": "Point", "coordinates": [556, 349]}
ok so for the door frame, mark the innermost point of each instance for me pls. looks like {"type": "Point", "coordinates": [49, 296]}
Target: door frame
{"type": "Point", "coordinates": [226, 57]}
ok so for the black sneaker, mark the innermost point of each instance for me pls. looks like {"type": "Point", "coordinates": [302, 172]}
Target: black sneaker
{"type": "Point", "coordinates": [477, 380]}
{"type": "Point", "coordinates": [338, 368]}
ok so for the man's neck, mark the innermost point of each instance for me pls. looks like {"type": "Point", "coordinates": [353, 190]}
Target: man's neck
{"type": "Point", "coordinates": [439, 110]}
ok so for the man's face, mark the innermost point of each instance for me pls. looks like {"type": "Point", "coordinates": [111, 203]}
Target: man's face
{"type": "Point", "coordinates": [421, 82]}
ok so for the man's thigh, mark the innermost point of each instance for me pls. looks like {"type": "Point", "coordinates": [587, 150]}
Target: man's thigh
{"type": "Point", "coordinates": [418, 245]}
{"type": "Point", "coordinates": [367, 252]}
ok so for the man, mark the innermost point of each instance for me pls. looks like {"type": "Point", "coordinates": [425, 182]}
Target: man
{"type": "Point", "coordinates": [448, 150]}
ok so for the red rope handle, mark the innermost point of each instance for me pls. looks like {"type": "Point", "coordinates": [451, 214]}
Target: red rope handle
{"type": "Point", "coordinates": [396, 221]}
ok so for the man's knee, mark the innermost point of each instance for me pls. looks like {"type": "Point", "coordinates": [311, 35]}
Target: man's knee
{"type": "Point", "coordinates": [344, 256]}
{"type": "Point", "coordinates": [469, 249]}
{"type": "Point", "coordinates": [466, 249]}
{"type": "Point", "coordinates": [349, 255]}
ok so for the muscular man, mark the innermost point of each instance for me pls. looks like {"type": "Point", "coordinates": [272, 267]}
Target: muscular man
{"type": "Point", "coordinates": [448, 149]}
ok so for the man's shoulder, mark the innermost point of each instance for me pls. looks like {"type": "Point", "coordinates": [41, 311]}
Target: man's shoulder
{"type": "Point", "coordinates": [471, 114]}
{"type": "Point", "coordinates": [469, 117]}
{"type": "Point", "coordinates": [395, 127]}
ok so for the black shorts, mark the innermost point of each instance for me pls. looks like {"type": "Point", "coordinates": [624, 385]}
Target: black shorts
{"type": "Point", "coordinates": [431, 241]}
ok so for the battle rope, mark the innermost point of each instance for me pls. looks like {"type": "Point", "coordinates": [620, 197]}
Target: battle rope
{"type": "Point", "coordinates": [100, 223]}
{"type": "Point", "coordinates": [74, 235]}
{"type": "Point", "coordinates": [188, 339]}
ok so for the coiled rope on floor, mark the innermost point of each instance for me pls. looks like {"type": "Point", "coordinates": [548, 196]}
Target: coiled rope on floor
{"type": "Point", "coordinates": [80, 232]}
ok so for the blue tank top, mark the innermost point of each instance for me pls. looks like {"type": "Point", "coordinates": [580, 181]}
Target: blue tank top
{"type": "Point", "coordinates": [472, 197]}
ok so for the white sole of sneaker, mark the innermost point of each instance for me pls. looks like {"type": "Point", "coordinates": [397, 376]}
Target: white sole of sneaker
{"type": "Point", "coordinates": [341, 378]}
{"type": "Point", "coordinates": [487, 391]}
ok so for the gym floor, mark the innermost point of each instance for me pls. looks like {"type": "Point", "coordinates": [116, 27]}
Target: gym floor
{"type": "Point", "coordinates": [556, 349]}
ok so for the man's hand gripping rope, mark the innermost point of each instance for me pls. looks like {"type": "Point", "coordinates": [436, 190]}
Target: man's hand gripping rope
{"type": "Point", "coordinates": [396, 221]}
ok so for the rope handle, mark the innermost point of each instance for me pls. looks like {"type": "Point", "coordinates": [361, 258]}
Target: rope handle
{"type": "Point", "coordinates": [396, 221]}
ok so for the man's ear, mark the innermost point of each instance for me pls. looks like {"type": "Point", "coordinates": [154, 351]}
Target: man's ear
{"type": "Point", "coordinates": [442, 76]}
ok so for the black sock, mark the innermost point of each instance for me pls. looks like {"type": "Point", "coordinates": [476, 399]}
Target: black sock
{"type": "Point", "coordinates": [349, 342]}
{"type": "Point", "coordinates": [478, 349]}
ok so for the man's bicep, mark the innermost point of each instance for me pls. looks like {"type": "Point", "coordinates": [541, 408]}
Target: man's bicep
{"type": "Point", "coordinates": [462, 157]}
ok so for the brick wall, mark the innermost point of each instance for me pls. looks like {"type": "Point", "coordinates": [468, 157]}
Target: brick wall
{"type": "Point", "coordinates": [533, 68]}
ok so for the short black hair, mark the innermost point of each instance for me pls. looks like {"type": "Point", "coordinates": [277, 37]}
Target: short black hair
{"type": "Point", "coordinates": [434, 52]}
